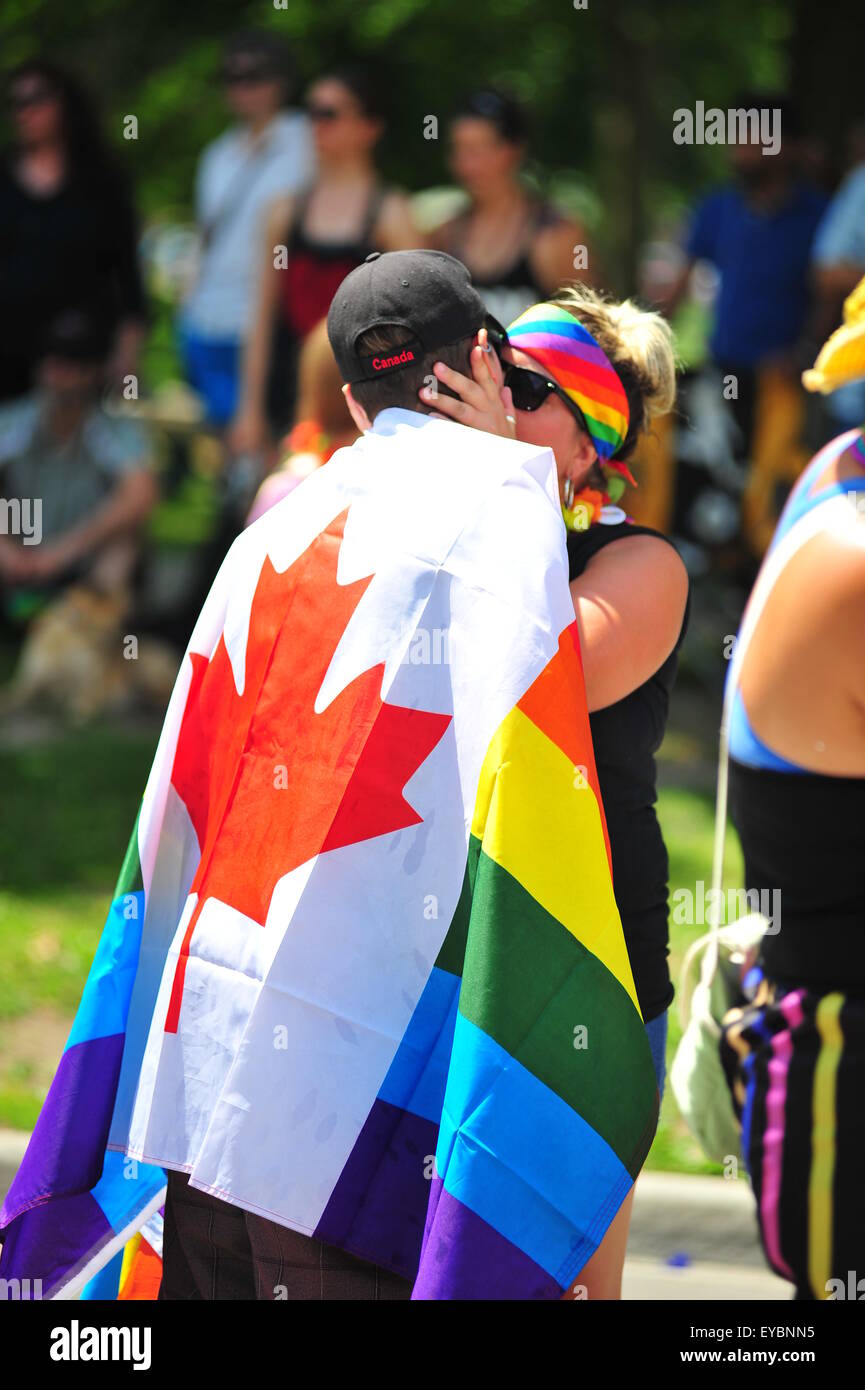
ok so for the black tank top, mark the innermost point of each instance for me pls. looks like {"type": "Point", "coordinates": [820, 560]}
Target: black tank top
{"type": "Point", "coordinates": [315, 269]}
{"type": "Point", "coordinates": [803, 838]}
{"type": "Point", "coordinates": [507, 291]}
{"type": "Point", "coordinates": [626, 737]}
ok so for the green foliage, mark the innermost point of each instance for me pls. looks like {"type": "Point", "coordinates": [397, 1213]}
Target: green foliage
{"type": "Point", "coordinates": [602, 83]}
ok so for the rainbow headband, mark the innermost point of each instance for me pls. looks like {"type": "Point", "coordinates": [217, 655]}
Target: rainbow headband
{"type": "Point", "coordinates": [574, 359]}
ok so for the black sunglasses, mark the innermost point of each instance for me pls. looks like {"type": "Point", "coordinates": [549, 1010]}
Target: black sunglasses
{"type": "Point", "coordinates": [529, 390]}
{"type": "Point", "coordinates": [328, 114]}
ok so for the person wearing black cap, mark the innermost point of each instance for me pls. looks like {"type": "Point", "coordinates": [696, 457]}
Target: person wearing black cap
{"type": "Point", "coordinates": [81, 477]}
{"type": "Point", "coordinates": [393, 318]}
{"type": "Point", "coordinates": [267, 155]}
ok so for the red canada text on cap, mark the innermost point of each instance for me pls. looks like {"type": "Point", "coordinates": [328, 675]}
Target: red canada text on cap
{"type": "Point", "coordinates": [380, 364]}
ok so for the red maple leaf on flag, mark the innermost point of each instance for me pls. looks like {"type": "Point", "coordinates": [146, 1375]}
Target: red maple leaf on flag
{"type": "Point", "coordinates": [267, 782]}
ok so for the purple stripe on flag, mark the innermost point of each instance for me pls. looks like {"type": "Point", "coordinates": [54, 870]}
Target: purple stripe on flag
{"type": "Point", "coordinates": [465, 1258]}
{"type": "Point", "coordinates": [54, 1240]}
{"type": "Point", "coordinates": [67, 1147]}
{"type": "Point", "coordinates": [378, 1207]}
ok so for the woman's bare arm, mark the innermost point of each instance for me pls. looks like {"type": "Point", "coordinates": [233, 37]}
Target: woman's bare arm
{"type": "Point", "coordinates": [629, 602]}
{"type": "Point", "coordinates": [249, 427]}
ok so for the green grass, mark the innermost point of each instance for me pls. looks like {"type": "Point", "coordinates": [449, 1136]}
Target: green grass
{"type": "Point", "coordinates": [70, 805]}
{"type": "Point", "coordinates": [688, 820]}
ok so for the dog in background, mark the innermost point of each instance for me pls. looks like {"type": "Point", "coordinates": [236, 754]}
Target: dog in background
{"type": "Point", "coordinates": [77, 662]}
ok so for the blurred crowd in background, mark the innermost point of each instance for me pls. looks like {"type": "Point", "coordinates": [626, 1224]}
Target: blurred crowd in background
{"type": "Point", "coordinates": [144, 484]}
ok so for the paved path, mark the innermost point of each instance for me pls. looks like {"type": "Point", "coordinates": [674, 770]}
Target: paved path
{"type": "Point", "coordinates": [695, 1237]}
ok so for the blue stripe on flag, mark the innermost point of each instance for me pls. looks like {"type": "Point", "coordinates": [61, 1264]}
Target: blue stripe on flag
{"type": "Point", "coordinates": [541, 1181]}
{"type": "Point", "coordinates": [125, 1188]}
{"type": "Point", "coordinates": [418, 1073]}
{"type": "Point", "coordinates": [105, 1002]}
{"type": "Point", "coordinates": [105, 1286]}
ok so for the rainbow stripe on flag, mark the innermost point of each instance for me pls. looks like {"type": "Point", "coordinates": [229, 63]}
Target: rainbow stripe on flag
{"type": "Point", "coordinates": [530, 1010]}
{"type": "Point", "coordinates": [74, 1205]}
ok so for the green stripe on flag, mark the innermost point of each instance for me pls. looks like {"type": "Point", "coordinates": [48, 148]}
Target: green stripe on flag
{"type": "Point", "coordinates": [129, 880]}
{"type": "Point", "coordinates": [453, 948]}
{"type": "Point", "coordinates": [530, 985]}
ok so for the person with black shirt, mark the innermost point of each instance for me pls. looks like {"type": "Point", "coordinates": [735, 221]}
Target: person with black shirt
{"type": "Point", "coordinates": [67, 229]}
{"type": "Point", "coordinates": [586, 376]}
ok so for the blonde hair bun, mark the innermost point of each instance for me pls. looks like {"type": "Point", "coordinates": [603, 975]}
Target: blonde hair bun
{"type": "Point", "coordinates": [640, 346]}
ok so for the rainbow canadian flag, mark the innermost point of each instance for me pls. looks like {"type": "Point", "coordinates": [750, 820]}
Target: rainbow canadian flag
{"type": "Point", "coordinates": [364, 974]}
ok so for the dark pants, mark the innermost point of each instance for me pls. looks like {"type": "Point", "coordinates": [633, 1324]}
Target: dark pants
{"type": "Point", "coordinates": [213, 1250]}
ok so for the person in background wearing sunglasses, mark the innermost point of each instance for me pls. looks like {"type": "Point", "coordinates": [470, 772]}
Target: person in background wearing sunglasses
{"type": "Point", "coordinates": [268, 153]}
{"type": "Point", "coordinates": [323, 233]}
{"type": "Point", "coordinates": [68, 236]}
{"type": "Point", "coordinates": [586, 376]}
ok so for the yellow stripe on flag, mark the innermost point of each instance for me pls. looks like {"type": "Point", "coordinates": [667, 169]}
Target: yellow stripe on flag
{"type": "Point", "coordinates": [536, 816]}
{"type": "Point", "coordinates": [820, 1183]}
{"type": "Point", "coordinates": [130, 1250]}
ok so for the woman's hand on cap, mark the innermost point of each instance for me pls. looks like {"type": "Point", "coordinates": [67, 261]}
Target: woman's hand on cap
{"type": "Point", "coordinates": [479, 401]}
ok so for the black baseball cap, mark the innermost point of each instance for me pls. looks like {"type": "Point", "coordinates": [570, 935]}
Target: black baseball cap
{"type": "Point", "coordinates": [427, 292]}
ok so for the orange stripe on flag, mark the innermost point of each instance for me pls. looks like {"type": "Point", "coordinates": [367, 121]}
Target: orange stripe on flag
{"type": "Point", "coordinates": [144, 1277]}
{"type": "Point", "coordinates": [556, 704]}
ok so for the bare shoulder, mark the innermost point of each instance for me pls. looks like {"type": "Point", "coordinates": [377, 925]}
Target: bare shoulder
{"type": "Point", "coordinates": [555, 248]}
{"type": "Point", "coordinates": [832, 562]}
{"type": "Point", "coordinates": [649, 561]}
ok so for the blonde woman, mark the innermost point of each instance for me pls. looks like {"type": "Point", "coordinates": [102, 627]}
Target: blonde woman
{"type": "Point", "coordinates": [586, 375]}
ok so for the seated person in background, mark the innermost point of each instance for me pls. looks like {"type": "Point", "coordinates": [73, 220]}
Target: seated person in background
{"type": "Point", "coordinates": [81, 476]}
